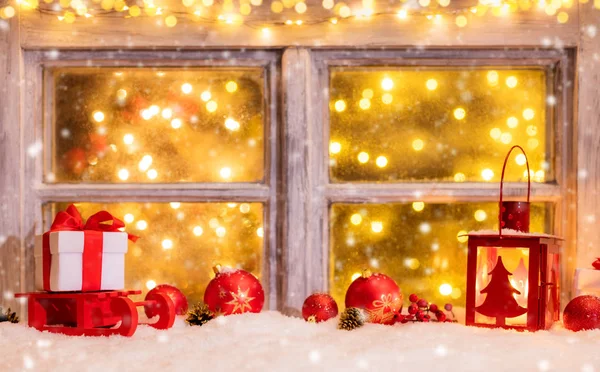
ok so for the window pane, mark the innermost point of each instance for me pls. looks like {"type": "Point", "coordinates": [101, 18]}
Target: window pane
{"type": "Point", "coordinates": [417, 244]}
{"type": "Point", "coordinates": [144, 125]}
{"type": "Point", "coordinates": [420, 124]}
{"type": "Point", "coordinates": [181, 242]}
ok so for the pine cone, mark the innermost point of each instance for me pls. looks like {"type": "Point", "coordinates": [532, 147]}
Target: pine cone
{"type": "Point", "coordinates": [199, 315]}
{"type": "Point", "coordinates": [9, 316]}
{"type": "Point", "coordinates": [351, 318]}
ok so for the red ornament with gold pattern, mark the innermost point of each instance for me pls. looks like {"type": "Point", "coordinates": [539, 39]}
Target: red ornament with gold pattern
{"type": "Point", "coordinates": [319, 307]}
{"type": "Point", "coordinates": [378, 294]}
{"type": "Point", "coordinates": [234, 291]}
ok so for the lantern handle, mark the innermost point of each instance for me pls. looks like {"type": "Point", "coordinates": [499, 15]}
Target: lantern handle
{"type": "Point", "coordinates": [502, 184]}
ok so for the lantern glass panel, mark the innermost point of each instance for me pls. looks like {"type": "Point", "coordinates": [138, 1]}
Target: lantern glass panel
{"type": "Point", "coordinates": [454, 123]}
{"type": "Point", "coordinates": [553, 288]}
{"type": "Point", "coordinates": [493, 281]}
{"type": "Point", "coordinates": [149, 125]}
{"type": "Point", "coordinates": [181, 242]}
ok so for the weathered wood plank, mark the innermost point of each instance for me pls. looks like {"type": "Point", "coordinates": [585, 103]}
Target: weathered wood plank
{"type": "Point", "coordinates": [11, 255]}
{"type": "Point", "coordinates": [522, 29]}
{"type": "Point", "coordinates": [588, 134]}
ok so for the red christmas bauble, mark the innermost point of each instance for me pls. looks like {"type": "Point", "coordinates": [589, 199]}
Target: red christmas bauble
{"type": "Point", "coordinates": [75, 161]}
{"type": "Point", "coordinates": [234, 291]}
{"type": "Point", "coordinates": [319, 307]}
{"type": "Point", "coordinates": [582, 313]}
{"type": "Point", "coordinates": [378, 294]}
{"type": "Point", "coordinates": [178, 298]}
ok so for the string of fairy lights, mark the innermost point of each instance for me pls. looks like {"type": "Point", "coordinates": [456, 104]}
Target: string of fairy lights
{"type": "Point", "coordinates": [207, 11]}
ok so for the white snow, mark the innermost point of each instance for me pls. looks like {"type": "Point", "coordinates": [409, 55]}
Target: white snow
{"type": "Point", "coordinates": [272, 342]}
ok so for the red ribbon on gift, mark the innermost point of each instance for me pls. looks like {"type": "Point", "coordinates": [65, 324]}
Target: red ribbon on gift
{"type": "Point", "coordinates": [96, 225]}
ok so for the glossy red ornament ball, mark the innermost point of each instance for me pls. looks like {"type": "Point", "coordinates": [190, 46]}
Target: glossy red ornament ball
{"type": "Point", "coordinates": [319, 307]}
{"type": "Point", "coordinates": [378, 294]}
{"type": "Point", "coordinates": [178, 298]}
{"type": "Point", "coordinates": [582, 313]}
{"type": "Point", "coordinates": [234, 291]}
{"type": "Point", "coordinates": [596, 264]}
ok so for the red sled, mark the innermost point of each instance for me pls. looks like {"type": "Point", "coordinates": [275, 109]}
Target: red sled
{"type": "Point", "coordinates": [95, 313]}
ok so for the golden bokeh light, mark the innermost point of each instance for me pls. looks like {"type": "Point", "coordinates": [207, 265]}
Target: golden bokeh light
{"type": "Point", "coordinates": [141, 225]}
{"type": "Point", "coordinates": [418, 144]}
{"type": "Point", "coordinates": [387, 98]}
{"type": "Point", "coordinates": [431, 84]}
{"type": "Point", "coordinates": [186, 88]}
{"type": "Point", "coordinates": [459, 113]}
{"type": "Point", "coordinates": [98, 116]}
{"type": "Point", "coordinates": [493, 78]}
{"type": "Point", "coordinates": [381, 161]}
{"type": "Point", "coordinates": [377, 226]}
{"type": "Point", "coordinates": [487, 174]}
{"type": "Point", "coordinates": [231, 86]}
{"type": "Point", "coordinates": [211, 106]}
{"type": "Point", "coordinates": [340, 105]}
{"type": "Point", "coordinates": [356, 219]}
{"type": "Point", "coordinates": [123, 174]}
{"type": "Point", "coordinates": [365, 103]}
{"type": "Point", "coordinates": [528, 114]}
{"type": "Point", "coordinates": [418, 206]}
{"type": "Point", "coordinates": [128, 218]}
{"type": "Point", "coordinates": [480, 215]}
{"type": "Point", "coordinates": [511, 82]}
{"type": "Point", "coordinates": [387, 84]}
{"type": "Point", "coordinates": [445, 289]}
{"type": "Point", "coordinates": [461, 236]}
{"type": "Point", "coordinates": [335, 147]}
{"type": "Point", "coordinates": [367, 93]}
{"type": "Point", "coordinates": [512, 122]}
{"type": "Point", "coordinates": [363, 157]}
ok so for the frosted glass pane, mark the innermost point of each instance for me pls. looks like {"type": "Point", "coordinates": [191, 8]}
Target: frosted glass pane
{"type": "Point", "coordinates": [181, 242]}
{"type": "Point", "coordinates": [417, 244]}
{"type": "Point", "coordinates": [456, 125]}
{"type": "Point", "coordinates": [143, 125]}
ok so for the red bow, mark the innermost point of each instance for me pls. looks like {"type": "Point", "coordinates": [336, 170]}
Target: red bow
{"type": "Point", "coordinates": [70, 220]}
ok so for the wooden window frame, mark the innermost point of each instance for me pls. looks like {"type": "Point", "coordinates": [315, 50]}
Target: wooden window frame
{"type": "Point", "coordinates": [39, 127]}
{"type": "Point", "coordinates": [310, 193]}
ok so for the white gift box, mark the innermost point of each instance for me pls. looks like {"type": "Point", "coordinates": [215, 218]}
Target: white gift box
{"type": "Point", "coordinates": [587, 281]}
{"type": "Point", "coordinates": [66, 260]}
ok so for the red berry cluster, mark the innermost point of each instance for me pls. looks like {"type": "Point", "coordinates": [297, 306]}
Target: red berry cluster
{"type": "Point", "coordinates": [420, 310]}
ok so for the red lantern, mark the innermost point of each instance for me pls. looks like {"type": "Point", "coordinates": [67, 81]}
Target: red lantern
{"type": "Point", "coordinates": [513, 276]}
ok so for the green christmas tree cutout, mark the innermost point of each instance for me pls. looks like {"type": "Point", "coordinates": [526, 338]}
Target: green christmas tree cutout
{"type": "Point", "coordinates": [500, 302]}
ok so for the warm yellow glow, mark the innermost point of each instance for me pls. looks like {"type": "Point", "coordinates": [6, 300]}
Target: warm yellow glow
{"type": "Point", "coordinates": [418, 206]}
{"type": "Point", "coordinates": [539, 176]}
{"type": "Point", "coordinates": [245, 208]}
{"type": "Point", "coordinates": [213, 223]}
{"type": "Point", "coordinates": [154, 110]}
{"type": "Point", "coordinates": [205, 96]}
{"type": "Point", "coordinates": [171, 21]}
{"type": "Point", "coordinates": [356, 219]}
{"type": "Point", "coordinates": [365, 103]}
{"type": "Point", "coordinates": [387, 98]}
{"type": "Point", "coordinates": [98, 116]}
{"type": "Point", "coordinates": [402, 14]}
{"type": "Point", "coordinates": [381, 161]}
{"type": "Point", "coordinates": [480, 215]}
{"type": "Point", "coordinates": [150, 284]}
{"type": "Point", "coordinates": [431, 84]}
{"type": "Point", "coordinates": [152, 174]}
{"type": "Point", "coordinates": [487, 174]}
{"type": "Point", "coordinates": [461, 21]}
{"type": "Point", "coordinates": [531, 130]}
{"type": "Point", "coordinates": [232, 124]}
{"type": "Point", "coordinates": [418, 144]}
{"type": "Point", "coordinates": [300, 7]}
{"type": "Point", "coordinates": [175, 205]}
{"type": "Point", "coordinates": [186, 88]}
{"type": "Point", "coordinates": [424, 3]}
{"type": "Point", "coordinates": [460, 177]}
{"type": "Point", "coordinates": [532, 143]}
{"type": "Point", "coordinates": [128, 139]}
{"type": "Point", "coordinates": [461, 236]}
{"type": "Point", "coordinates": [211, 106]}
{"type": "Point", "coordinates": [528, 114]}
{"type": "Point", "coordinates": [276, 7]}
{"type": "Point", "coordinates": [521, 159]}
{"type": "Point", "coordinates": [512, 122]}
{"type": "Point", "coordinates": [176, 123]}
{"type": "Point", "coordinates": [412, 263]}
{"type": "Point", "coordinates": [363, 157]}
{"type": "Point", "coordinates": [260, 232]}
{"type": "Point", "coordinates": [445, 289]}
{"type": "Point", "coordinates": [128, 218]}
{"type": "Point", "coordinates": [459, 113]}
{"type": "Point", "coordinates": [121, 94]}
{"type": "Point", "coordinates": [368, 93]}
{"type": "Point", "coordinates": [563, 17]}
{"type": "Point", "coordinates": [456, 293]}
{"type": "Point", "coordinates": [511, 81]}
{"type": "Point", "coordinates": [492, 78]}
{"type": "Point", "coordinates": [146, 114]}
{"type": "Point", "coordinates": [387, 84]}
{"type": "Point", "coordinates": [167, 113]}
{"type": "Point", "coordinates": [141, 225]}
{"type": "Point", "coordinates": [225, 172]}
{"type": "Point", "coordinates": [123, 174]}
{"type": "Point", "coordinates": [220, 231]}
{"type": "Point", "coordinates": [356, 276]}
{"type": "Point", "coordinates": [167, 244]}
{"type": "Point", "coordinates": [377, 226]}
{"type": "Point", "coordinates": [345, 11]}
{"type": "Point", "coordinates": [231, 86]}
{"type": "Point", "coordinates": [495, 133]}
{"type": "Point", "coordinates": [340, 105]}
{"type": "Point", "coordinates": [335, 147]}
{"type": "Point", "coordinates": [506, 138]}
